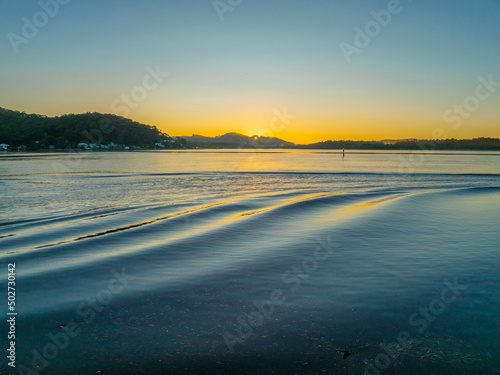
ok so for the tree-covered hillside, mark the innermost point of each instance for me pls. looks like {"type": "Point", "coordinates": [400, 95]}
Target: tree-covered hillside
{"type": "Point", "coordinates": [68, 131]}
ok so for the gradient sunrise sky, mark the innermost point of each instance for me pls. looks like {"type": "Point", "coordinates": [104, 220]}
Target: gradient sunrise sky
{"type": "Point", "coordinates": [233, 74]}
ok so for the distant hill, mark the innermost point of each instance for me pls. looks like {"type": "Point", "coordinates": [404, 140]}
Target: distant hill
{"type": "Point", "coordinates": [37, 132]}
{"type": "Point", "coordinates": [353, 145]}
{"type": "Point", "coordinates": [236, 140]}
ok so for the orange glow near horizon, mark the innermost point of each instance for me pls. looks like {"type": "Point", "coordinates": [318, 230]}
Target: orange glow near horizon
{"type": "Point", "coordinates": [364, 120]}
{"type": "Point", "coordinates": [305, 132]}
{"type": "Point", "coordinates": [305, 128]}
{"type": "Point", "coordinates": [307, 124]}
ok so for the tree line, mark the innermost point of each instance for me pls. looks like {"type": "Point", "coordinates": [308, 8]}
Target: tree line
{"type": "Point", "coordinates": [477, 144]}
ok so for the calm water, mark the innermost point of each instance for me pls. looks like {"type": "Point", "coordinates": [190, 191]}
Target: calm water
{"type": "Point", "coordinates": [231, 262]}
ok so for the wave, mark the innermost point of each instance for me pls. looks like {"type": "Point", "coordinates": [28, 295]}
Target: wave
{"type": "Point", "coordinates": [197, 265]}
{"type": "Point", "coordinates": [159, 231]}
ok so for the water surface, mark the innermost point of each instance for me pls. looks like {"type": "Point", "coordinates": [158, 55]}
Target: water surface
{"type": "Point", "coordinates": [167, 262]}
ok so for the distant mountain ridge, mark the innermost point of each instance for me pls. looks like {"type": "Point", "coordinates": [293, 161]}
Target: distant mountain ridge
{"type": "Point", "coordinates": [236, 140]}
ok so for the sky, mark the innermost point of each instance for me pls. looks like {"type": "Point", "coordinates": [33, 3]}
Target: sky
{"type": "Point", "coordinates": [304, 71]}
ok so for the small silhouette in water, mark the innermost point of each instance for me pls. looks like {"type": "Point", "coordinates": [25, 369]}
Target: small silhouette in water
{"type": "Point", "coordinates": [346, 353]}
{"type": "Point", "coordinates": [343, 151]}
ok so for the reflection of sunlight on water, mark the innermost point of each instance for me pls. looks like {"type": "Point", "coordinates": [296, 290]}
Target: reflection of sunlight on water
{"type": "Point", "coordinates": [193, 161]}
{"type": "Point", "coordinates": [289, 160]}
{"type": "Point", "coordinates": [291, 202]}
{"type": "Point", "coordinates": [359, 208]}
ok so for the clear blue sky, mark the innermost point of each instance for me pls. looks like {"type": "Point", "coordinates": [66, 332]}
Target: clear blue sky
{"type": "Point", "coordinates": [230, 75]}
